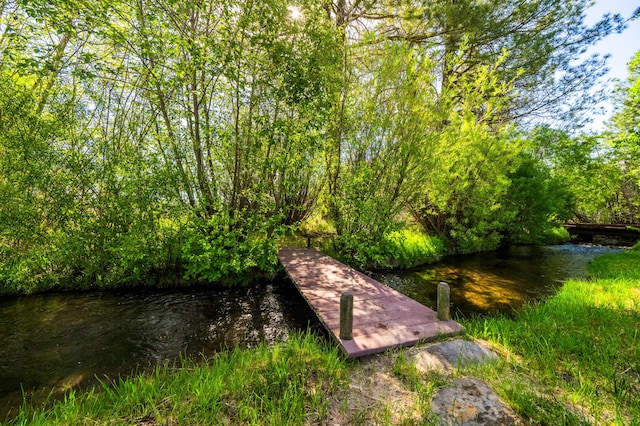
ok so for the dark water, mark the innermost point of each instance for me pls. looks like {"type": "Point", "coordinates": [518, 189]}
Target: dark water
{"type": "Point", "coordinates": [66, 340]}
{"type": "Point", "coordinates": [500, 281]}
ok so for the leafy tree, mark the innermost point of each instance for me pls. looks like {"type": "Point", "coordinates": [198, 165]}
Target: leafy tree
{"type": "Point", "coordinates": [627, 116]}
{"type": "Point", "coordinates": [242, 98]}
{"type": "Point", "coordinates": [584, 165]}
{"type": "Point", "coordinates": [624, 142]}
{"type": "Point", "coordinates": [538, 200]}
{"type": "Point", "coordinates": [144, 137]}
{"type": "Point", "coordinates": [464, 192]}
{"type": "Point", "coordinates": [601, 170]}
{"type": "Point", "coordinates": [469, 159]}
{"type": "Point", "coordinates": [226, 123]}
{"type": "Point", "coordinates": [386, 122]}
{"type": "Point", "coordinates": [490, 66]}
{"type": "Point", "coordinates": [25, 178]}
{"type": "Point", "coordinates": [544, 40]}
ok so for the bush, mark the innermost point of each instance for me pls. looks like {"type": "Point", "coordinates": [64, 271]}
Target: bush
{"type": "Point", "coordinates": [408, 248]}
{"type": "Point", "coordinates": [556, 235]}
{"type": "Point", "coordinates": [144, 252]}
{"type": "Point", "coordinates": [397, 249]}
{"type": "Point", "coordinates": [227, 250]}
{"type": "Point", "coordinates": [538, 202]}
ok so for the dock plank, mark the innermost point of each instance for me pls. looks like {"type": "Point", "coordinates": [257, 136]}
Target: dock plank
{"type": "Point", "coordinates": [383, 318]}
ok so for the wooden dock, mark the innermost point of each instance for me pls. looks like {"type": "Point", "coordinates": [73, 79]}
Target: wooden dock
{"type": "Point", "coordinates": [383, 318]}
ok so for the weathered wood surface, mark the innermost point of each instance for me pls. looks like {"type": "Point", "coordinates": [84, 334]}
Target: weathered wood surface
{"type": "Point", "coordinates": [444, 297]}
{"type": "Point", "coordinates": [383, 318]}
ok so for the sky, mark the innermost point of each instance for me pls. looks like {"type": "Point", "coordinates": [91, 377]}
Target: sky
{"type": "Point", "coordinates": [620, 46]}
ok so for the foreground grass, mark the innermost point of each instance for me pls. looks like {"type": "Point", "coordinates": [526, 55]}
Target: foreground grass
{"type": "Point", "coordinates": [572, 359]}
{"type": "Point", "coordinates": [285, 384]}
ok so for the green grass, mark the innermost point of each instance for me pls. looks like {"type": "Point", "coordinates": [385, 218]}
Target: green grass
{"type": "Point", "coordinates": [576, 356]}
{"type": "Point", "coordinates": [411, 248]}
{"type": "Point", "coordinates": [286, 384]}
{"type": "Point", "coordinates": [556, 235]}
{"type": "Point", "coordinates": [625, 265]}
{"type": "Point", "coordinates": [402, 249]}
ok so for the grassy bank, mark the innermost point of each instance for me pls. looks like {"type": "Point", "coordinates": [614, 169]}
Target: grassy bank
{"type": "Point", "coordinates": [285, 384]}
{"type": "Point", "coordinates": [219, 259]}
{"type": "Point", "coordinates": [572, 359]}
{"type": "Point", "coordinates": [402, 249]}
{"type": "Point", "coordinates": [575, 357]}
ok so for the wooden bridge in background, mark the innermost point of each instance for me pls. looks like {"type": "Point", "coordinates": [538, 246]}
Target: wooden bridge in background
{"type": "Point", "coordinates": [383, 318]}
{"type": "Point", "coordinates": [604, 234]}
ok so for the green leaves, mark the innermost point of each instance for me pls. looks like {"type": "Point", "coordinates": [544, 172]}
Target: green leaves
{"type": "Point", "coordinates": [236, 119]}
{"type": "Point", "coordinates": [537, 201]}
{"type": "Point", "coordinates": [222, 249]}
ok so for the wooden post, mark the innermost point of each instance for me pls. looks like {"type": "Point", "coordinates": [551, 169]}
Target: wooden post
{"type": "Point", "coordinates": [346, 316]}
{"type": "Point", "coordinates": [444, 296]}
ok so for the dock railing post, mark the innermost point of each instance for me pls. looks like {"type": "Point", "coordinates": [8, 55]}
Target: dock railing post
{"type": "Point", "coordinates": [346, 316]}
{"type": "Point", "coordinates": [444, 296]}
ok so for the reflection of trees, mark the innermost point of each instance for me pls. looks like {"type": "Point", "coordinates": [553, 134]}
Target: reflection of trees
{"type": "Point", "coordinates": [62, 341]}
{"type": "Point", "coordinates": [496, 281]}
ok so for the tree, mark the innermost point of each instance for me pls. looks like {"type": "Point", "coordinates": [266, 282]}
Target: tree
{"type": "Point", "coordinates": [543, 40]}
{"type": "Point", "coordinates": [201, 117]}
{"type": "Point", "coordinates": [537, 201]}
{"type": "Point", "coordinates": [386, 122]}
{"type": "Point", "coordinates": [147, 136]}
{"type": "Point", "coordinates": [624, 142]}
{"type": "Point", "coordinates": [490, 66]}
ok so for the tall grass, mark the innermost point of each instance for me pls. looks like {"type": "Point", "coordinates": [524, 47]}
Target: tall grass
{"type": "Point", "coordinates": [286, 384]}
{"type": "Point", "coordinates": [408, 248]}
{"type": "Point", "coordinates": [625, 265]}
{"type": "Point", "coordinates": [556, 235]}
{"type": "Point", "coordinates": [400, 249]}
{"type": "Point", "coordinates": [578, 350]}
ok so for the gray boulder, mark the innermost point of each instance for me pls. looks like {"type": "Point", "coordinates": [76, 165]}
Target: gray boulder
{"type": "Point", "coordinates": [470, 401]}
{"type": "Point", "coordinates": [452, 354]}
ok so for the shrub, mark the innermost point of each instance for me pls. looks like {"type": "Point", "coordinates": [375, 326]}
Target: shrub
{"type": "Point", "coordinates": [396, 249]}
{"type": "Point", "coordinates": [227, 250]}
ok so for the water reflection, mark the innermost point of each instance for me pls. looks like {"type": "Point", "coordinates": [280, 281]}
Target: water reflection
{"type": "Point", "coordinates": [59, 341]}
{"type": "Point", "coordinates": [499, 281]}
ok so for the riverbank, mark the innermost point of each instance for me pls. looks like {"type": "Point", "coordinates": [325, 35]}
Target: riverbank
{"type": "Point", "coordinates": [574, 358]}
{"type": "Point", "coordinates": [229, 265]}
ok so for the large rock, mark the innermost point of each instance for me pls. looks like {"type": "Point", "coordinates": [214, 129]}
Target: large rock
{"type": "Point", "coordinates": [452, 354]}
{"type": "Point", "coordinates": [470, 401]}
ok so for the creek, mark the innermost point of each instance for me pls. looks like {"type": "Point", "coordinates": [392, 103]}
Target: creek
{"type": "Point", "coordinates": [58, 341]}
{"type": "Point", "coordinates": [496, 282]}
